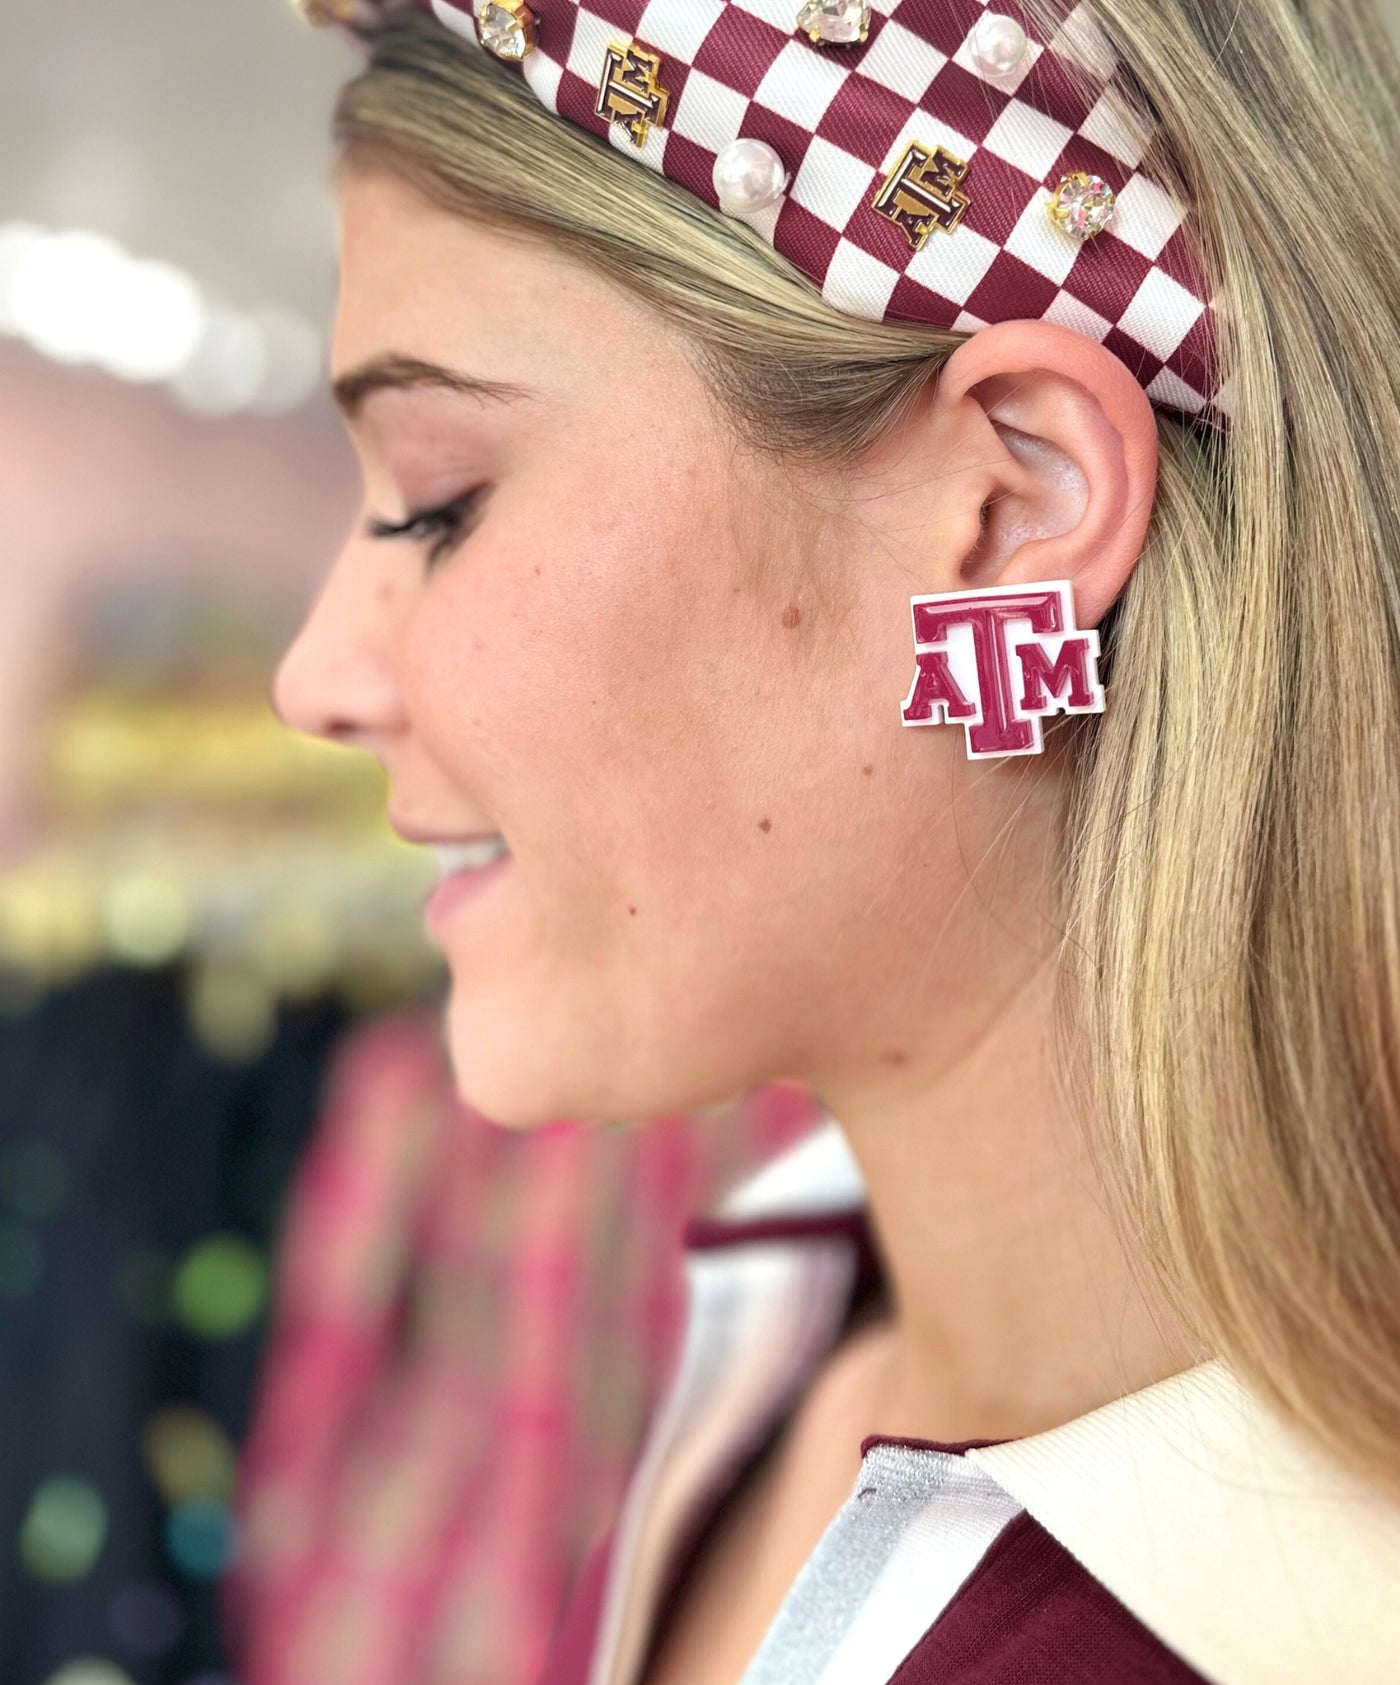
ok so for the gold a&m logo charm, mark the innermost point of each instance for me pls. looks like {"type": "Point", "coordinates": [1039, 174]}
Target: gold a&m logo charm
{"type": "Point", "coordinates": [924, 192]}
{"type": "Point", "coordinates": [630, 92]}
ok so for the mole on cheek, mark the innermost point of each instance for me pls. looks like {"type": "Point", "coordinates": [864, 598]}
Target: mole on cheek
{"type": "Point", "coordinates": [867, 770]}
{"type": "Point", "coordinates": [632, 911]}
{"type": "Point", "coordinates": [792, 616]}
{"type": "Point", "coordinates": [895, 1056]}
{"type": "Point", "coordinates": [765, 824]}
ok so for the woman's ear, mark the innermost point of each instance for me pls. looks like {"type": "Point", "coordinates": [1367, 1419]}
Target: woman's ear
{"type": "Point", "coordinates": [1065, 446]}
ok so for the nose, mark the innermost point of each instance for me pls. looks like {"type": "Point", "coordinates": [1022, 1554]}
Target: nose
{"type": "Point", "coordinates": [338, 678]}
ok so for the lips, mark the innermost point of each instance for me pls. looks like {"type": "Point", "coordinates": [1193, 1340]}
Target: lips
{"type": "Point", "coordinates": [466, 866]}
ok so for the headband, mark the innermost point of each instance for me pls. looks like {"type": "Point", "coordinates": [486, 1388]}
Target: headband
{"type": "Point", "coordinates": [923, 161]}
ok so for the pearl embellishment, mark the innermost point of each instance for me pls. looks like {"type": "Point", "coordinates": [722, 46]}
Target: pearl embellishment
{"type": "Point", "coordinates": [998, 44]}
{"type": "Point", "coordinates": [748, 175]}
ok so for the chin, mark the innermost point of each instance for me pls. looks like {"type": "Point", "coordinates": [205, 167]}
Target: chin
{"type": "Point", "coordinates": [507, 1068]}
{"type": "Point", "coordinates": [496, 1077]}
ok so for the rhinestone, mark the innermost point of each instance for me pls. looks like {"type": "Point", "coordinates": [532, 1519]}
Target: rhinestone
{"type": "Point", "coordinates": [748, 175]}
{"type": "Point", "coordinates": [835, 22]}
{"type": "Point", "coordinates": [508, 29]}
{"type": "Point", "coordinates": [1082, 205]}
{"type": "Point", "coordinates": [998, 44]}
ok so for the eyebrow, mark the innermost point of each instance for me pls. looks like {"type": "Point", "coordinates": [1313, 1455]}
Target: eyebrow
{"type": "Point", "coordinates": [391, 372]}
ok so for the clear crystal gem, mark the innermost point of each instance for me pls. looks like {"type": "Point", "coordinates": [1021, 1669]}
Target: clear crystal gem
{"type": "Point", "coordinates": [505, 30]}
{"type": "Point", "coordinates": [1082, 205]}
{"type": "Point", "coordinates": [839, 22]}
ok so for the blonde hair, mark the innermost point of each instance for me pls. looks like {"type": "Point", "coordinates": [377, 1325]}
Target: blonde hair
{"type": "Point", "coordinates": [1231, 953]}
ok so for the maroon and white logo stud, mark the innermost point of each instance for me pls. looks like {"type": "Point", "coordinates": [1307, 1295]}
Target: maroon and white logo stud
{"type": "Point", "coordinates": [996, 661]}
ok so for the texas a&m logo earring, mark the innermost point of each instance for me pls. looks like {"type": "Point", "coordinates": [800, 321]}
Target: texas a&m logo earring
{"type": "Point", "coordinates": [997, 660]}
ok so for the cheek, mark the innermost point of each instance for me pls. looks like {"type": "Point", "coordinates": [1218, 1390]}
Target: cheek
{"type": "Point", "coordinates": [539, 687]}
{"type": "Point", "coordinates": [589, 699]}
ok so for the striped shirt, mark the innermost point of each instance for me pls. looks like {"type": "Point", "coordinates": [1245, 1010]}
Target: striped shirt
{"type": "Point", "coordinates": [1101, 1553]}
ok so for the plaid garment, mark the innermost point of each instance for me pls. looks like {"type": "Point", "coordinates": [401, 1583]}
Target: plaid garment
{"type": "Point", "coordinates": [470, 1332]}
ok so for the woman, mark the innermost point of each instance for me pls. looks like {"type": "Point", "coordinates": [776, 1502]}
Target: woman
{"type": "Point", "coordinates": [1089, 311]}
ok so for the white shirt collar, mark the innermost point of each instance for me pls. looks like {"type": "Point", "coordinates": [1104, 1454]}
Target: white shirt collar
{"type": "Point", "coordinates": [1255, 1556]}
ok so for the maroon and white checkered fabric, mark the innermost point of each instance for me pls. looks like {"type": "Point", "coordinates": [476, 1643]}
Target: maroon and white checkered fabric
{"type": "Point", "coordinates": [840, 118]}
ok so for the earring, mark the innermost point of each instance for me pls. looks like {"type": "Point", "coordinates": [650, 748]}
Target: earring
{"type": "Point", "coordinates": [995, 661]}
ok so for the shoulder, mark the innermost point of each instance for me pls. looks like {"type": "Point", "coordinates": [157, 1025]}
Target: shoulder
{"type": "Point", "coordinates": [1252, 1555]}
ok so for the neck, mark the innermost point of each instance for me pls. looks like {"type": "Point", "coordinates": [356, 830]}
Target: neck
{"type": "Point", "coordinates": [1016, 1304]}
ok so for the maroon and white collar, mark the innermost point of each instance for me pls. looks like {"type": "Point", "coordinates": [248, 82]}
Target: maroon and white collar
{"type": "Point", "coordinates": [1255, 1558]}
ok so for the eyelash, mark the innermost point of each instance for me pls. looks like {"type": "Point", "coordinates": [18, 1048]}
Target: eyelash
{"type": "Point", "coordinates": [444, 525]}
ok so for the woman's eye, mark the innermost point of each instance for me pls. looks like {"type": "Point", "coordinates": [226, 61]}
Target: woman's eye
{"type": "Point", "coordinates": [441, 529]}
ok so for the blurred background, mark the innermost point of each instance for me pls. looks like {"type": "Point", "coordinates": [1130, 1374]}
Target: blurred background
{"type": "Point", "coordinates": [268, 1295]}
{"type": "Point", "coordinates": [193, 907]}
{"type": "Point", "coordinates": [307, 1375]}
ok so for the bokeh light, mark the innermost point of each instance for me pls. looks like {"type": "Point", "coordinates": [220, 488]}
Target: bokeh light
{"type": "Point", "coordinates": [90, 1670]}
{"type": "Point", "coordinates": [146, 919]}
{"type": "Point", "coordinates": [154, 323]}
{"type": "Point", "coordinates": [17, 241]}
{"type": "Point", "coordinates": [200, 1538]}
{"type": "Point", "coordinates": [227, 368]}
{"type": "Point", "coordinates": [232, 1008]}
{"type": "Point", "coordinates": [188, 1455]}
{"type": "Point", "coordinates": [58, 290]}
{"type": "Point", "coordinates": [296, 361]}
{"type": "Point", "coordinates": [78, 297]}
{"type": "Point", "coordinates": [297, 948]}
{"type": "Point", "coordinates": [63, 1530]}
{"type": "Point", "coordinates": [220, 1286]}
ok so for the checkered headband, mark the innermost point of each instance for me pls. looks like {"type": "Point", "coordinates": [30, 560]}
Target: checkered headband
{"type": "Point", "coordinates": [845, 119]}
